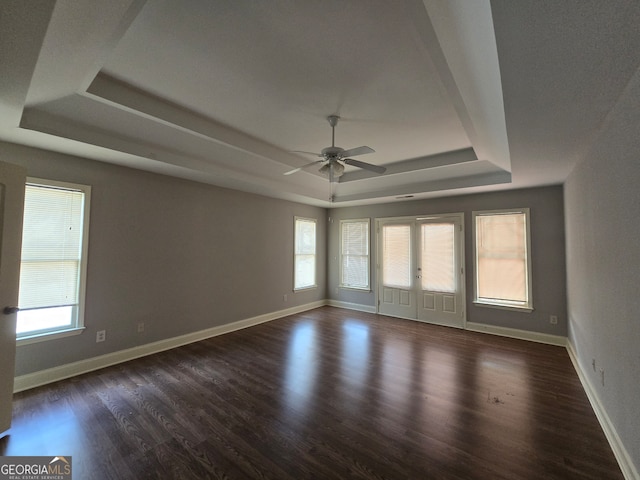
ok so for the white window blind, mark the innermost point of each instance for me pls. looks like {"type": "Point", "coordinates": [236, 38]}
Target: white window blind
{"type": "Point", "coordinates": [305, 253]}
{"type": "Point", "coordinates": [396, 258]}
{"type": "Point", "coordinates": [52, 261]}
{"type": "Point", "coordinates": [502, 262]}
{"type": "Point", "coordinates": [51, 248]}
{"type": "Point", "coordinates": [355, 254]}
{"type": "Point", "coordinates": [437, 257]}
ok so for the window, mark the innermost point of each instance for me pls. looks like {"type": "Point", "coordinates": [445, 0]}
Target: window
{"type": "Point", "coordinates": [305, 254]}
{"type": "Point", "coordinates": [354, 265]}
{"type": "Point", "coordinates": [502, 261]}
{"type": "Point", "coordinates": [53, 262]}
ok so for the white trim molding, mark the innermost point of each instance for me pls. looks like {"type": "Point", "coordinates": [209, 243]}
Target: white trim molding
{"type": "Point", "coordinates": [517, 333]}
{"type": "Point", "coordinates": [622, 456]}
{"type": "Point", "coordinates": [50, 375]}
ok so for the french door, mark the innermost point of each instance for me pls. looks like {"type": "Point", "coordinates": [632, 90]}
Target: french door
{"type": "Point", "coordinates": [421, 269]}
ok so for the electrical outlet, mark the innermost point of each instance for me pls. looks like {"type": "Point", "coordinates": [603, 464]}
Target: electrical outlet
{"type": "Point", "coordinates": [553, 319]}
{"type": "Point", "coordinates": [101, 336]}
{"type": "Point", "coordinates": [284, 297]}
{"type": "Point", "coordinates": [593, 364]}
{"type": "Point", "coordinates": [140, 327]}
{"type": "Point", "coordinates": [602, 375]}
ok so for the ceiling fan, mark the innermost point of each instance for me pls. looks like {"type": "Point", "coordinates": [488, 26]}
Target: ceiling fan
{"type": "Point", "coordinates": [334, 158]}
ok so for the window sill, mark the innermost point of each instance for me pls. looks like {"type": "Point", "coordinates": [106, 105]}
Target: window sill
{"type": "Point", "coordinates": [357, 289]}
{"type": "Point", "coordinates": [302, 289]}
{"type": "Point", "coordinates": [501, 306]}
{"type": "Point", "coordinates": [43, 337]}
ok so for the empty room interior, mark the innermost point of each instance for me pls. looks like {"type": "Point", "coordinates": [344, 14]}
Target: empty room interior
{"type": "Point", "coordinates": [338, 239]}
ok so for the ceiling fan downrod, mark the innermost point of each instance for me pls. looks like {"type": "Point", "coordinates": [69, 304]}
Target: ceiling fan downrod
{"type": "Point", "coordinates": [333, 121]}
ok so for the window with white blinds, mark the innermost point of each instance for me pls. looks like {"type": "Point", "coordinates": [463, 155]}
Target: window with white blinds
{"type": "Point", "coordinates": [396, 256]}
{"type": "Point", "coordinates": [503, 263]}
{"type": "Point", "coordinates": [305, 254]}
{"type": "Point", "coordinates": [53, 260]}
{"type": "Point", "coordinates": [354, 254]}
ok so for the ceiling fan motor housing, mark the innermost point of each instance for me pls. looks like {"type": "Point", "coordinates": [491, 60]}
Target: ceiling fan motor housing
{"type": "Point", "coordinates": [332, 152]}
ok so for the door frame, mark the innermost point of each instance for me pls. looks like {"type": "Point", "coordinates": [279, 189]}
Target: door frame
{"type": "Point", "coordinates": [459, 216]}
{"type": "Point", "coordinates": [13, 178]}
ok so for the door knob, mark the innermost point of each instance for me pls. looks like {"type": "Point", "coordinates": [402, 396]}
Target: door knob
{"type": "Point", "coordinates": [10, 310]}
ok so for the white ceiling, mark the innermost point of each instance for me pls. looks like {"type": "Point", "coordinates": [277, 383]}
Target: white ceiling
{"type": "Point", "coordinates": [455, 96]}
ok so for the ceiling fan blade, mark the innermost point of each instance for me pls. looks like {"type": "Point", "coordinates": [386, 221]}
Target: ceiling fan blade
{"type": "Point", "coordinates": [295, 170]}
{"type": "Point", "coordinates": [364, 165]}
{"type": "Point", "coordinates": [357, 151]}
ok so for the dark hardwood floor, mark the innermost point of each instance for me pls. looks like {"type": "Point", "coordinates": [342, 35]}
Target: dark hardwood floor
{"type": "Point", "coordinates": [325, 394]}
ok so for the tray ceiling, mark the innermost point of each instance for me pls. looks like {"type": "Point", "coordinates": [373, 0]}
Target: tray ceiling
{"type": "Point", "coordinates": [452, 94]}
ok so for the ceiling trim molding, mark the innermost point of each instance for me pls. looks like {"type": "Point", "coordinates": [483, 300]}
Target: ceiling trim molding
{"type": "Point", "coordinates": [414, 164]}
{"type": "Point", "coordinates": [493, 178]}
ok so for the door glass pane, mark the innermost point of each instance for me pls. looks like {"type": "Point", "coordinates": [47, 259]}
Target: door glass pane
{"type": "Point", "coordinates": [437, 254]}
{"type": "Point", "coordinates": [396, 256]}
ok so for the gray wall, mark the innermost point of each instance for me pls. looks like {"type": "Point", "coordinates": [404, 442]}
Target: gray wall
{"type": "Point", "coordinates": [178, 255]}
{"type": "Point", "coordinates": [602, 197]}
{"type": "Point", "coordinates": [547, 245]}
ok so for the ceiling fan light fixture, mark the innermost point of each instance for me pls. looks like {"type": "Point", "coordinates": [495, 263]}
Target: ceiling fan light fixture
{"type": "Point", "coordinates": [338, 169]}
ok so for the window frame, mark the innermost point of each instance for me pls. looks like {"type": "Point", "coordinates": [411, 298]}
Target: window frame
{"type": "Point", "coordinates": [526, 306]}
{"type": "Point", "coordinates": [343, 285]}
{"type": "Point", "coordinates": [77, 326]}
{"type": "Point", "coordinates": [296, 219]}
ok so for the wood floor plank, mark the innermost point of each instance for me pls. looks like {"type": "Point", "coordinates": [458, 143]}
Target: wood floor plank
{"type": "Point", "coordinates": [328, 393]}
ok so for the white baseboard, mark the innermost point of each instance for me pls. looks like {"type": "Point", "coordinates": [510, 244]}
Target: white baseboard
{"type": "Point", "coordinates": [50, 375]}
{"type": "Point", "coordinates": [622, 456]}
{"type": "Point", "coordinates": [352, 306]}
{"type": "Point", "coordinates": [516, 333]}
